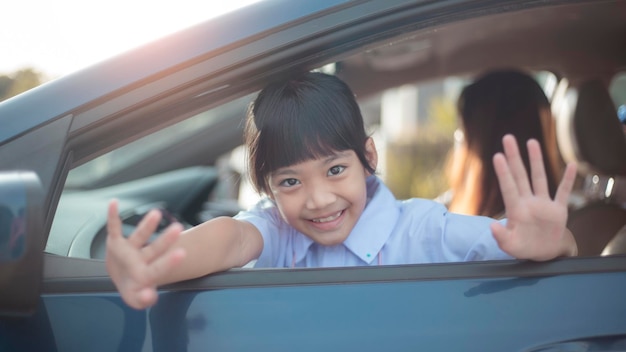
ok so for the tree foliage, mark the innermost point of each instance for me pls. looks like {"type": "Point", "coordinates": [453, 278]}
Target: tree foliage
{"type": "Point", "coordinates": [18, 82]}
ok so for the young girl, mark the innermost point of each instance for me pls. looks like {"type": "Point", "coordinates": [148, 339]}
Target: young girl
{"type": "Point", "coordinates": [310, 155]}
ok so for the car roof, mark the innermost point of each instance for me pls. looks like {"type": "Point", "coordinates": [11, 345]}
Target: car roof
{"type": "Point", "coordinates": [573, 39]}
{"type": "Point", "coordinates": [527, 38]}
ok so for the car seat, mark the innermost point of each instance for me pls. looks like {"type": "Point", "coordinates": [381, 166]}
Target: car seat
{"type": "Point", "coordinates": [590, 134]}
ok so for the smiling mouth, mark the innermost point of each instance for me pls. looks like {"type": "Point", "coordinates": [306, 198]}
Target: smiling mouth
{"type": "Point", "coordinates": [328, 218]}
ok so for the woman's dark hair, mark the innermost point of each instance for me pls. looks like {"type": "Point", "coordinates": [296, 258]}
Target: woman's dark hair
{"type": "Point", "coordinates": [305, 117]}
{"type": "Point", "coordinates": [498, 103]}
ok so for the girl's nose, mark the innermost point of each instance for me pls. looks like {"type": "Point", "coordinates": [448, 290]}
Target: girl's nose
{"type": "Point", "coordinates": [320, 197]}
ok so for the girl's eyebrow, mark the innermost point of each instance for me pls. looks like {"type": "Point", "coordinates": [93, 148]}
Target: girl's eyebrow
{"type": "Point", "coordinates": [327, 160]}
{"type": "Point", "coordinates": [283, 172]}
{"type": "Point", "coordinates": [337, 155]}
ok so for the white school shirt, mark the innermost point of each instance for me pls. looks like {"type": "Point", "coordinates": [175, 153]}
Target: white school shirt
{"type": "Point", "coordinates": [389, 231]}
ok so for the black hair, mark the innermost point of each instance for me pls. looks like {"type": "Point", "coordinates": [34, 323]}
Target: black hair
{"type": "Point", "coordinates": [302, 118]}
{"type": "Point", "coordinates": [500, 102]}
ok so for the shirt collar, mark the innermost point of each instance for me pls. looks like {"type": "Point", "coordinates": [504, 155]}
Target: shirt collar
{"type": "Point", "coordinates": [375, 225]}
{"type": "Point", "coordinates": [301, 244]}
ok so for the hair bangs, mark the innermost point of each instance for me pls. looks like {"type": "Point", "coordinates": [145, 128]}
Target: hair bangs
{"type": "Point", "coordinates": [301, 131]}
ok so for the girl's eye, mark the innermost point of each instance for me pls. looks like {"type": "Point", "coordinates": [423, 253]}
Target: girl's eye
{"type": "Point", "coordinates": [289, 182]}
{"type": "Point", "coordinates": [336, 170]}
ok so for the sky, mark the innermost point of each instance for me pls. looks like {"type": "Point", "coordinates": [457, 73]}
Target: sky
{"type": "Point", "coordinates": [58, 37]}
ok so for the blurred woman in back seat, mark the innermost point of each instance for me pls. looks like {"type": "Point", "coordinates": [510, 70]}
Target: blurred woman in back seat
{"type": "Point", "coordinates": [496, 104]}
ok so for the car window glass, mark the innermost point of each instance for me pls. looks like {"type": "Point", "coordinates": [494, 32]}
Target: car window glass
{"type": "Point", "coordinates": [133, 152]}
{"type": "Point", "coordinates": [78, 228]}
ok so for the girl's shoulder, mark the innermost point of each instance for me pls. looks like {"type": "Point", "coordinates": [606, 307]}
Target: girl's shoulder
{"type": "Point", "coordinates": [422, 204]}
{"type": "Point", "coordinates": [428, 210]}
{"type": "Point", "coordinates": [264, 209]}
{"type": "Point", "coordinates": [422, 209]}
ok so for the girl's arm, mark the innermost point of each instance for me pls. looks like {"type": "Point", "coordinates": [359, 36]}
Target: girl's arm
{"type": "Point", "coordinates": [536, 224]}
{"type": "Point", "coordinates": [138, 269]}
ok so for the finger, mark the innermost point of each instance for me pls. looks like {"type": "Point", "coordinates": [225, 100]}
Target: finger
{"type": "Point", "coordinates": [114, 224]}
{"type": "Point", "coordinates": [163, 243]}
{"type": "Point", "coordinates": [164, 264]}
{"type": "Point", "coordinates": [510, 194]}
{"type": "Point", "coordinates": [516, 164]}
{"type": "Point", "coordinates": [118, 251]}
{"type": "Point", "coordinates": [147, 226]}
{"type": "Point", "coordinates": [147, 297]}
{"type": "Point", "coordinates": [142, 298]}
{"type": "Point", "coordinates": [118, 248]}
{"type": "Point", "coordinates": [123, 260]}
{"type": "Point", "coordinates": [537, 170]}
{"type": "Point", "coordinates": [566, 185]}
{"type": "Point", "coordinates": [500, 234]}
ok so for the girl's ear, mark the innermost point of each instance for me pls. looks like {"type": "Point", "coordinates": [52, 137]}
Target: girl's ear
{"type": "Point", "coordinates": [370, 153]}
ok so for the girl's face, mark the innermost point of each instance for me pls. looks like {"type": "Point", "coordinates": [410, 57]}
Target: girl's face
{"type": "Point", "coordinates": [323, 198]}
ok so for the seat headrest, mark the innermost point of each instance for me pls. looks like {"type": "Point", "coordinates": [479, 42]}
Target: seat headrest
{"type": "Point", "coordinates": [589, 131]}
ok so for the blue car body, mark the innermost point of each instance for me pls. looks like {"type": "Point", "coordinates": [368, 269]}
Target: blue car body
{"type": "Point", "coordinates": [496, 314]}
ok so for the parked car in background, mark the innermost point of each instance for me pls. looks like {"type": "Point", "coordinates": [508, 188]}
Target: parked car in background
{"type": "Point", "coordinates": [161, 126]}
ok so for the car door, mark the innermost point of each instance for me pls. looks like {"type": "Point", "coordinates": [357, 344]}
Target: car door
{"type": "Point", "coordinates": [491, 306]}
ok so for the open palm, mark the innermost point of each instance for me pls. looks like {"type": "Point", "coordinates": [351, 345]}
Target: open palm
{"type": "Point", "coordinates": [536, 224]}
{"type": "Point", "coordinates": [135, 267]}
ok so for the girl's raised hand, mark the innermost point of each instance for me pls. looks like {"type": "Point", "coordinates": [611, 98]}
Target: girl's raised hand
{"type": "Point", "coordinates": [536, 224]}
{"type": "Point", "coordinates": [136, 268]}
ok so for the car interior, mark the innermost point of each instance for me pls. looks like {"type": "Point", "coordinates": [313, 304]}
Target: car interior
{"type": "Point", "coordinates": [577, 52]}
{"type": "Point", "coordinates": [590, 135]}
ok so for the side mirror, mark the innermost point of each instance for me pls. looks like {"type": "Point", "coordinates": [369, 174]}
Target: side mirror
{"type": "Point", "coordinates": [22, 241]}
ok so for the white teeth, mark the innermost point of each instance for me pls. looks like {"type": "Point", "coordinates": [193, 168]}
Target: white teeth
{"type": "Point", "coordinates": [327, 219]}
